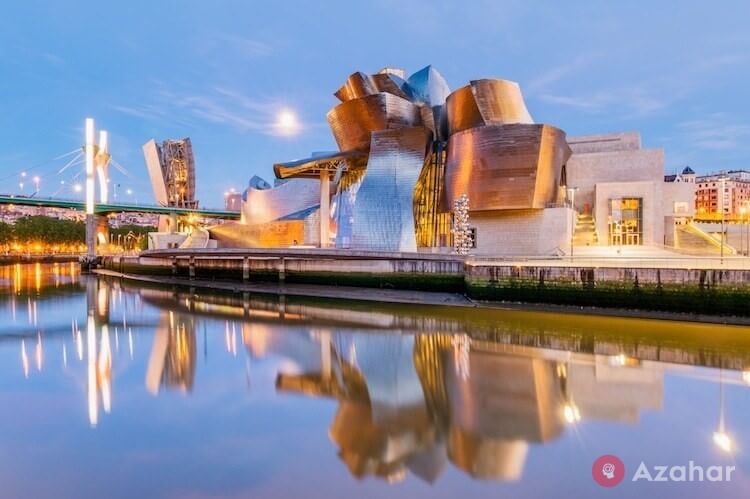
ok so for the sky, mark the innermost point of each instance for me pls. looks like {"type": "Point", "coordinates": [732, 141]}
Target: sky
{"type": "Point", "coordinates": [222, 71]}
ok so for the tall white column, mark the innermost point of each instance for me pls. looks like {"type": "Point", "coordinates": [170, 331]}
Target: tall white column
{"type": "Point", "coordinates": [90, 150]}
{"type": "Point", "coordinates": [90, 153]}
{"type": "Point", "coordinates": [325, 207]}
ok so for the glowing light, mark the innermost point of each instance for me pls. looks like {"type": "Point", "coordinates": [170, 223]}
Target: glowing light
{"type": "Point", "coordinates": [723, 441]}
{"type": "Point", "coordinates": [287, 122]}
{"type": "Point", "coordinates": [77, 187]}
{"type": "Point", "coordinates": [571, 413]}
{"type": "Point", "coordinates": [24, 359]}
{"type": "Point", "coordinates": [746, 377]}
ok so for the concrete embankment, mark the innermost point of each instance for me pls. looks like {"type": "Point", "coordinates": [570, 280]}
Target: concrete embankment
{"type": "Point", "coordinates": [716, 292]}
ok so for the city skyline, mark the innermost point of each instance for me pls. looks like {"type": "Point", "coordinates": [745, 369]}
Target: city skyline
{"type": "Point", "coordinates": [229, 78]}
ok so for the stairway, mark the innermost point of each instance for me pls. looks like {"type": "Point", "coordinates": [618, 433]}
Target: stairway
{"type": "Point", "coordinates": [585, 231]}
{"type": "Point", "coordinates": [197, 239]}
{"type": "Point", "coordinates": [692, 240]}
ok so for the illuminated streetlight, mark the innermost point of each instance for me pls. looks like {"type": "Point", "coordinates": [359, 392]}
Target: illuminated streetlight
{"type": "Point", "coordinates": [36, 180]}
{"type": "Point", "coordinates": [77, 187]}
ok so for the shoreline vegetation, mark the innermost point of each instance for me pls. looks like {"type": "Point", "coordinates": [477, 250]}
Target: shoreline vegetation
{"type": "Point", "coordinates": [40, 235]}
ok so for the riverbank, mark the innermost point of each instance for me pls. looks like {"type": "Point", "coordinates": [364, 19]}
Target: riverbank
{"type": "Point", "coordinates": [402, 296]}
{"type": "Point", "coordinates": [713, 295]}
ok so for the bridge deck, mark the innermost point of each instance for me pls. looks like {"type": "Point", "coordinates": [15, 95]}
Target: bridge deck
{"type": "Point", "coordinates": [104, 209]}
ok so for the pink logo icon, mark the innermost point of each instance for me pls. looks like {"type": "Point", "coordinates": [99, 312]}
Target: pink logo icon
{"type": "Point", "coordinates": [608, 471]}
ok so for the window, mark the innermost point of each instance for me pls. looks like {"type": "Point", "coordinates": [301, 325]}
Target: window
{"type": "Point", "coordinates": [473, 236]}
{"type": "Point", "coordinates": [625, 221]}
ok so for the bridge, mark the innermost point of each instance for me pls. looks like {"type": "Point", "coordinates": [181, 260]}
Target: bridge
{"type": "Point", "coordinates": [107, 208]}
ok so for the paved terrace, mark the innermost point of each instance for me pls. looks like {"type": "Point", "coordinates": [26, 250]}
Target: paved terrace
{"type": "Point", "coordinates": [633, 257]}
{"type": "Point", "coordinates": [623, 257]}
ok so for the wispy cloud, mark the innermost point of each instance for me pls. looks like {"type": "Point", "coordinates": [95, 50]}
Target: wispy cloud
{"type": "Point", "coordinates": [717, 131]}
{"type": "Point", "coordinates": [644, 97]}
{"type": "Point", "coordinates": [247, 47]}
{"type": "Point", "coordinates": [219, 105]}
{"type": "Point", "coordinates": [557, 73]}
{"type": "Point", "coordinates": [632, 102]}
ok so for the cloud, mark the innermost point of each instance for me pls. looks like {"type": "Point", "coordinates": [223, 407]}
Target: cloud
{"type": "Point", "coordinates": [554, 75]}
{"type": "Point", "coordinates": [646, 95]}
{"type": "Point", "coordinates": [247, 47]}
{"type": "Point", "coordinates": [219, 105]}
{"type": "Point", "coordinates": [717, 131]}
{"type": "Point", "coordinates": [631, 102]}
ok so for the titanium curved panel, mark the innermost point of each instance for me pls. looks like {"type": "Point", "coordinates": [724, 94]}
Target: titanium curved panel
{"type": "Point", "coordinates": [500, 102]}
{"type": "Point", "coordinates": [352, 122]}
{"type": "Point", "coordinates": [266, 205]}
{"type": "Point", "coordinates": [357, 85]}
{"type": "Point", "coordinates": [429, 86]}
{"type": "Point", "coordinates": [392, 84]}
{"type": "Point", "coordinates": [461, 110]}
{"type": "Point", "coordinates": [383, 215]}
{"type": "Point", "coordinates": [486, 102]}
{"type": "Point", "coordinates": [505, 166]}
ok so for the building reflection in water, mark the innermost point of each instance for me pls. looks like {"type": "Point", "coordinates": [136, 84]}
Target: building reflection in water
{"type": "Point", "coordinates": [412, 403]}
{"type": "Point", "coordinates": [173, 354]}
{"type": "Point", "coordinates": [414, 394]}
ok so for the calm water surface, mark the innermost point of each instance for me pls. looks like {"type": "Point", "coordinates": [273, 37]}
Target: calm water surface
{"type": "Point", "coordinates": [111, 390]}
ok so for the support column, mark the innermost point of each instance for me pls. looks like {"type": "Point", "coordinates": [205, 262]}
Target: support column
{"type": "Point", "coordinates": [91, 224]}
{"type": "Point", "coordinates": [325, 207]}
{"type": "Point", "coordinates": [89, 150]}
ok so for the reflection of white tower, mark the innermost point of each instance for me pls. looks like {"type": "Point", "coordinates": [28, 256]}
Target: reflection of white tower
{"type": "Point", "coordinates": [97, 160]}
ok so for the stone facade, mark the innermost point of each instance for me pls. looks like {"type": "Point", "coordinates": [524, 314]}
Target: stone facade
{"type": "Point", "coordinates": [522, 232]}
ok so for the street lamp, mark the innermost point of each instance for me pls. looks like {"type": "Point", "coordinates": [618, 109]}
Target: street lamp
{"type": "Point", "coordinates": [743, 209]}
{"type": "Point", "coordinates": [722, 183]}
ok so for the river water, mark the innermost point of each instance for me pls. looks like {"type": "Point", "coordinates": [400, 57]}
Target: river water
{"type": "Point", "coordinates": [109, 389]}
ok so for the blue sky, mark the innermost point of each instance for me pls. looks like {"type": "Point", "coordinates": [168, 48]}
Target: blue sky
{"type": "Point", "coordinates": [221, 71]}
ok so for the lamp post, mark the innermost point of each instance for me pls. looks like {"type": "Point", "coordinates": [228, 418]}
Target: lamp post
{"type": "Point", "coordinates": [743, 209]}
{"type": "Point", "coordinates": [722, 183]}
{"type": "Point", "coordinates": [572, 198]}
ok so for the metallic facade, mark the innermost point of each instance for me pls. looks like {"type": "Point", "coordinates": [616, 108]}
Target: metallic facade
{"type": "Point", "coordinates": [383, 218]}
{"type": "Point", "coordinates": [171, 168]}
{"type": "Point", "coordinates": [265, 204]}
{"type": "Point", "coordinates": [504, 167]}
{"type": "Point", "coordinates": [408, 147]}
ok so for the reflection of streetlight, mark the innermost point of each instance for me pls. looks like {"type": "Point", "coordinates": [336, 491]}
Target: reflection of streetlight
{"type": "Point", "coordinates": [77, 187]}
{"type": "Point", "coordinates": [36, 183]}
{"type": "Point", "coordinates": [721, 438]}
{"type": "Point", "coordinates": [571, 413]}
